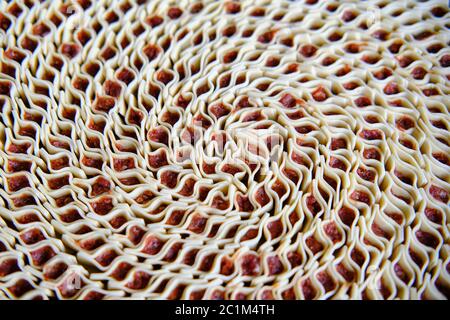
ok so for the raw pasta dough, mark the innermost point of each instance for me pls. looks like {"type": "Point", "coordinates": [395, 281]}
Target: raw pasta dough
{"type": "Point", "coordinates": [224, 149]}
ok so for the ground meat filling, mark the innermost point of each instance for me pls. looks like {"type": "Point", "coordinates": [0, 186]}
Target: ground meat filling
{"type": "Point", "coordinates": [180, 153]}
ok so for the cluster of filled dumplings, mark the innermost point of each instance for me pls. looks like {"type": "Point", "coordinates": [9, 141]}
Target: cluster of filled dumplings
{"type": "Point", "coordinates": [224, 149]}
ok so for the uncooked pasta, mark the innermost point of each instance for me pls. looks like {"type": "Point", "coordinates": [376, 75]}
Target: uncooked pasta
{"type": "Point", "coordinates": [224, 149]}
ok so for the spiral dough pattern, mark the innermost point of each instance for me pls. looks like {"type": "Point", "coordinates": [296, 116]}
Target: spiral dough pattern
{"type": "Point", "coordinates": [224, 149]}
